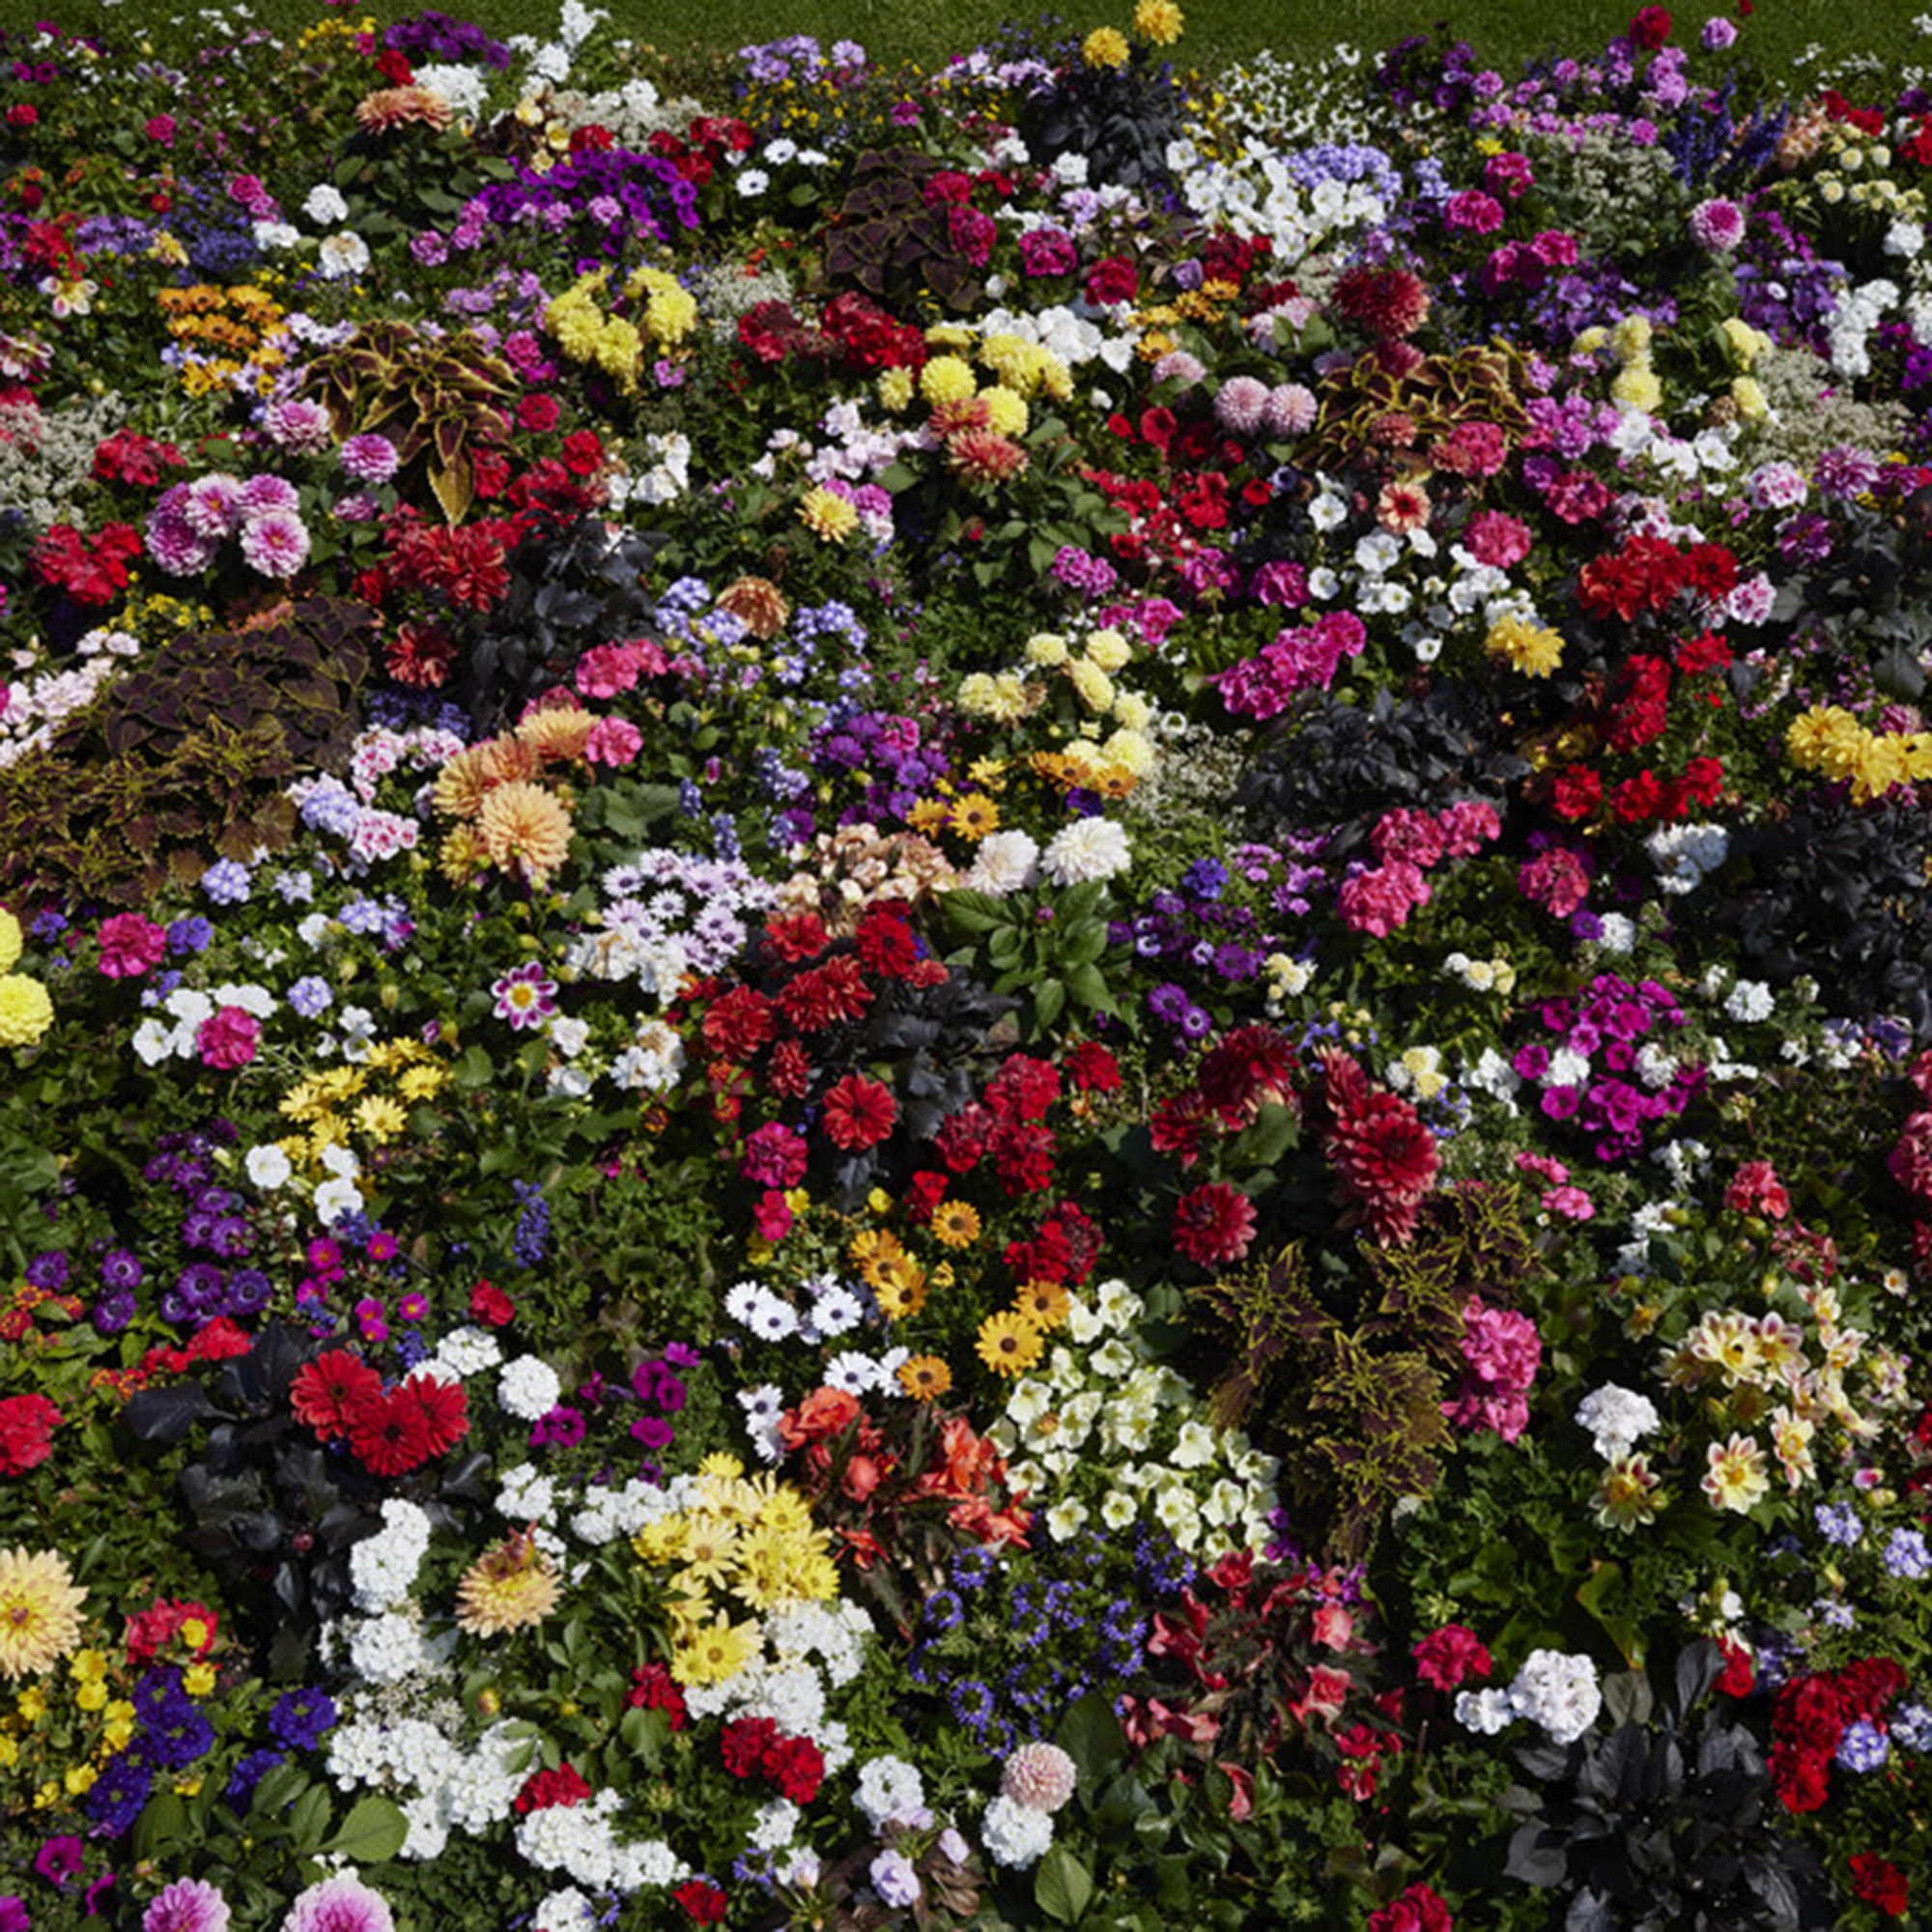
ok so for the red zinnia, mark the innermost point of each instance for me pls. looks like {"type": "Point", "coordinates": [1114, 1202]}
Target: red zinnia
{"type": "Point", "coordinates": [1213, 1224]}
{"type": "Point", "coordinates": [859, 1113]}
{"type": "Point", "coordinates": [328, 1390]}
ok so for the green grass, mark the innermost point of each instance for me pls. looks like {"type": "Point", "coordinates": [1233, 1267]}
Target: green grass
{"type": "Point", "coordinates": [1503, 32]}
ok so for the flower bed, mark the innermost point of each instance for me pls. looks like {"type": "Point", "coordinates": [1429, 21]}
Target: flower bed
{"type": "Point", "coordinates": [979, 998]}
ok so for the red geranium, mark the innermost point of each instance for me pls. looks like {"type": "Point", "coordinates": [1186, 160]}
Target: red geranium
{"type": "Point", "coordinates": [703, 1902]}
{"type": "Point", "coordinates": [1880, 1883]}
{"type": "Point", "coordinates": [489, 1303]}
{"type": "Point", "coordinates": [27, 1424]}
{"type": "Point", "coordinates": [1445, 1657]}
{"type": "Point", "coordinates": [547, 1788]}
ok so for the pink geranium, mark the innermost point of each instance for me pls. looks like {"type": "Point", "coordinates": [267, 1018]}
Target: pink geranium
{"type": "Point", "coordinates": [131, 946]}
{"type": "Point", "coordinates": [228, 1038]}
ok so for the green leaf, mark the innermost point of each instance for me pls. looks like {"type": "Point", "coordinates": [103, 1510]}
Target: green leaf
{"type": "Point", "coordinates": [161, 1827]}
{"type": "Point", "coordinates": [1090, 1735]}
{"type": "Point", "coordinates": [975, 912]}
{"type": "Point", "coordinates": [1086, 985]}
{"type": "Point", "coordinates": [474, 1070]}
{"type": "Point", "coordinates": [308, 1820]}
{"type": "Point", "coordinates": [1049, 1002]}
{"type": "Point", "coordinates": [1273, 1132]}
{"type": "Point", "coordinates": [897, 476]}
{"type": "Point", "coordinates": [372, 1833]}
{"type": "Point", "coordinates": [1063, 1888]}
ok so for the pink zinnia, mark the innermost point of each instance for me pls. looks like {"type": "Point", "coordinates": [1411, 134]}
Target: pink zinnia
{"type": "Point", "coordinates": [340, 1904]}
{"type": "Point", "coordinates": [131, 946]}
{"type": "Point", "coordinates": [228, 1038]}
{"type": "Point", "coordinates": [275, 543]}
{"type": "Point", "coordinates": [187, 1905]}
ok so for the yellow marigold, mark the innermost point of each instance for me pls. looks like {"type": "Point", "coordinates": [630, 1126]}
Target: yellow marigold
{"type": "Point", "coordinates": [40, 1611]}
{"type": "Point", "coordinates": [1009, 1343]}
{"type": "Point", "coordinates": [1047, 649]}
{"type": "Point", "coordinates": [526, 830]}
{"type": "Point", "coordinates": [670, 311]}
{"type": "Point", "coordinates": [1636, 387]}
{"type": "Point", "coordinates": [1828, 739]}
{"type": "Point", "coordinates": [1002, 697]}
{"type": "Point", "coordinates": [924, 1377]}
{"type": "Point", "coordinates": [1631, 338]}
{"type": "Point", "coordinates": [1129, 749]}
{"type": "Point", "coordinates": [1105, 46]}
{"type": "Point", "coordinates": [576, 322]}
{"type": "Point", "coordinates": [828, 514]}
{"type": "Point", "coordinates": [946, 379]}
{"type": "Point", "coordinates": [1158, 22]}
{"type": "Point", "coordinates": [1531, 648]}
{"type": "Point", "coordinates": [620, 352]}
{"type": "Point", "coordinates": [1093, 687]}
{"type": "Point", "coordinates": [10, 940]}
{"type": "Point", "coordinates": [1109, 649]}
{"type": "Point", "coordinates": [25, 1011]}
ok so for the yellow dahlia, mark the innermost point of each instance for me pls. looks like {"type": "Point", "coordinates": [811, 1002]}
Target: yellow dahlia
{"type": "Point", "coordinates": [1534, 649]}
{"type": "Point", "coordinates": [508, 1588]}
{"type": "Point", "coordinates": [1105, 46]}
{"type": "Point", "coordinates": [10, 940]}
{"type": "Point", "coordinates": [40, 1611]}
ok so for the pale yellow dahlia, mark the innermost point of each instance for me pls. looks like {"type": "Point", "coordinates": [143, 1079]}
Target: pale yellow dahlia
{"type": "Point", "coordinates": [526, 830]}
{"type": "Point", "coordinates": [25, 1011]}
{"type": "Point", "coordinates": [508, 1588]}
{"type": "Point", "coordinates": [40, 1611]}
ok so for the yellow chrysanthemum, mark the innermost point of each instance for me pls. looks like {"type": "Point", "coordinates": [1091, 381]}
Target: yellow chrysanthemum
{"type": "Point", "coordinates": [10, 940]}
{"type": "Point", "coordinates": [827, 515]}
{"type": "Point", "coordinates": [1105, 46]}
{"type": "Point", "coordinates": [1091, 685]}
{"type": "Point", "coordinates": [25, 1011]}
{"type": "Point", "coordinates": [1109, 649]}
{"type": "Point", "coordinates": [620, 351]}
{"type": "Point", "coordinates": [1009, 1343]}
{"type": "Point", "coordinates": [508, 1588]}
{"type": "Point", "coordinates": [40, 1611]}
{"type": "Point", "coordinates": [1747, 393]}
{"type": "Point", "coordinates": [895, 387]}
{"type": "Point", "coordinates": [1158, 22]}
{"type": "Point", "coordinates": [1534, 649]}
